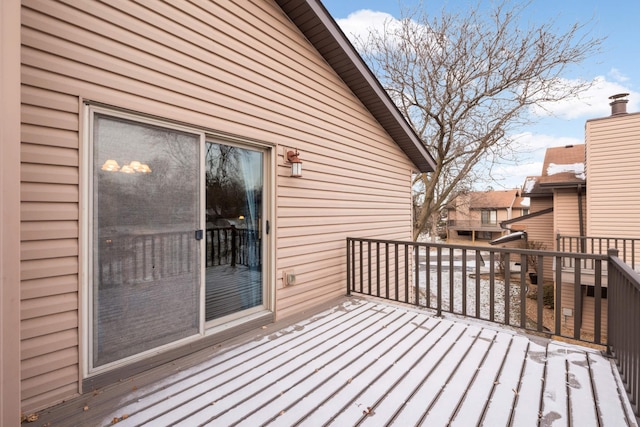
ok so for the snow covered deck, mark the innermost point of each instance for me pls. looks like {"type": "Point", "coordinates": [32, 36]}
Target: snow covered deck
{"type": "Point", "coordinates": [370, 363]}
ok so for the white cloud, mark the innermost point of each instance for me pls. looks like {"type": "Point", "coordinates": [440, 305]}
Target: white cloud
{"type": "Point", "coordinates": [593, 103]}
{"type": "Point", "coordinates": [538, 143]}
{"type": "Point", "coordinates": [361, 22]}
{"type": "Point", "coordinates": [617, 75]}
{"type": "Point", "coordinates": [533, 147]}
{"type": "Point", "coordinates": [512, 176]}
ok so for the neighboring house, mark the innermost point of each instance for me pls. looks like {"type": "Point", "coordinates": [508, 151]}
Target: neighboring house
{"type": "Point", "coordinates": [156, 147]}
{"type": "Point", "coordinates": [477, 215]}
{"type": "Point", "coordinates": [613, 189]}
{"type": "Point", "coordinates": [589, 193]}
{"type": "Point", "coordinates": [558, 205]}
{"type": "Point", "coordinates": [613, 172]}
{"type": "Point", "coordinates": [557, 199]}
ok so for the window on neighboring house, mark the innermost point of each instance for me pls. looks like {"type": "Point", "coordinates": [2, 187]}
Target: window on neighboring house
{"type": "Point", "coordinates": [590, 291]}
{"type": "Point", "coordinates": [489, 217]}
{"type": "Point", "coordinates": [525, 212]}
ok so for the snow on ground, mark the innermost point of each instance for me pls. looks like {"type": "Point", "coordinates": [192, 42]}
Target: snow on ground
{"type": "Point", "coordinates": [468, 276]}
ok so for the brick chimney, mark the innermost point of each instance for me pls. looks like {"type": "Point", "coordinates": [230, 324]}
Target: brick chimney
{"type": "Point", "coordinates": [618, 105]}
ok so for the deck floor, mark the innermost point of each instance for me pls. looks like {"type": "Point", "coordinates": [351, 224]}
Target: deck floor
{"type": "Point", "coordinates": [231, 289]}
{"type": "Point", "coordinates": [369, 363]}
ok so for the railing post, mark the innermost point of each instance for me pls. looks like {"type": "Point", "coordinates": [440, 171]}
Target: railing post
{"type": "Point", "coordinates": [233, 246]}
{"type": "Point", "coordinates": [439, 284]}
{"type": "Point", "coordinates": [416, 284]}
{"type": "Point", "coordinates": [577, 299]}
{"type": "Point", "coordinates": [612, 300]}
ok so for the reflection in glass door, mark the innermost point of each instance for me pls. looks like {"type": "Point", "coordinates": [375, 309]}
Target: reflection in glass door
{"type": "Point", "coordinates": [234, 189]}
{"type": "Point", "coordinates": [145, 257]}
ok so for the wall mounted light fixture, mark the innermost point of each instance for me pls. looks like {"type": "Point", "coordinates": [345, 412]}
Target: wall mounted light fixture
{"type": "Point", "coordinates": [296, 163]}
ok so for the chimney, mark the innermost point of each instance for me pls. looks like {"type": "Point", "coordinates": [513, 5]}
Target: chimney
{"type": "Point", "coordinates": [618, 105]}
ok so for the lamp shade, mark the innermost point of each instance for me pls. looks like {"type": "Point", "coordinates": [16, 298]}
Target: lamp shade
{"type": "Point", "coordinates": [110, 166]}
{"type": "Point", "coordinates": [296, 163]}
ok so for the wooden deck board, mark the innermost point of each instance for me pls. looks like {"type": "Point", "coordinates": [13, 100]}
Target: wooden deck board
{"type": "Point", "coordinates": [506, 385]}
{"type": "Point", "coordinates": [475, 400]}
{"type": "Point", "coordinates": [370, 363]}
{"type": "Point", "coordinates": [307, 389]}
{"type": "Point", "coordinates": [527, 407]}
{"type": "Point", "coordinates": [579, 389]}
{"type": "Point", "coordinates": [346, 402]}
{"type": "Point", "coordinates": [307, 364]}
{"type": "Point", "coordinates": [453, 392]}
{"type": "Point", "coordinates": [232, 382]}
{"type": "Point", "coordinates": [432, 375]}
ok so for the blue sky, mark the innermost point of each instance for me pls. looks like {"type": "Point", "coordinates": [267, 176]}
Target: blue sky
{"type": "Point", "coordinates": [616, 68]}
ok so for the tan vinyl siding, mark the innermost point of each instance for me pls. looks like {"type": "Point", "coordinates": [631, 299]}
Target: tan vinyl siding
{"type": "Point", "coordinates": [588, 312]}
{"type": "Point", "coordinates": [540, 203]}
{"type": "Point", "coordinates": [242, 69]}
{"type": "Point", "coordinates": [49, 250]}
{"type": "Point", "coordinates": [476, 215]}
{"type": "Point", "coordinates": [10, 214]}
{"type": "Point", "coordinates": [566, 213]}
{"type": "Point", "coordinates": [540, 229]}
{"type": "Point", "coordinates": [613, 176]}
{"type": "Point", "coordinates": [317, 212]}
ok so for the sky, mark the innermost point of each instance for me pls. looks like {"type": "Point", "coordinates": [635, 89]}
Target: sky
{"type": "Point", "coordinates": [616, 69]}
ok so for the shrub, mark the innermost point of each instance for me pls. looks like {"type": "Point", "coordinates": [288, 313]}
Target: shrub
{"type": "Point", "coordinates": [548, 296]}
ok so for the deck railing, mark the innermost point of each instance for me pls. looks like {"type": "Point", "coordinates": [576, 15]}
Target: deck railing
{"type": "Point", "coordinates": [478, 282]}
{"type": "Point", "coordinates": [486, 283]}
{"type": "Point", "coordinates": [144, 257]}
{"type": "Point", "coordinates": [473, 224]}
{"type": "Point", "coordinates": [628, 248]}
{"type": "Point", "coordinates": [232, 246]}
{"type": "Point", "coordinates": [624, 324]}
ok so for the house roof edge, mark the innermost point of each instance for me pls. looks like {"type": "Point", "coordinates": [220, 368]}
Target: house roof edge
{"type": "Point", "coordinates": [319, 27]}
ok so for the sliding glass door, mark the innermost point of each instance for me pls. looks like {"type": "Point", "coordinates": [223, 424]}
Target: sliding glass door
{"type": "Point", "coordinates": [146, 256]}
{"type": "Point", "coordinates": [234, 189]}
{"type": "Point", "coordinates": [175, 236]}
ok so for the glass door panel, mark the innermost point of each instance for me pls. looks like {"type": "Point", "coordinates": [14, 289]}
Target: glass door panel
{"type": "Point", "coordinates": [234, 186]}
{"type": "Point", "coordinates": [146, 264]}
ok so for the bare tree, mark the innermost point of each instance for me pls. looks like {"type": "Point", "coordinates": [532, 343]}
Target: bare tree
{"type": "Point", "coordinates": [465, 81]}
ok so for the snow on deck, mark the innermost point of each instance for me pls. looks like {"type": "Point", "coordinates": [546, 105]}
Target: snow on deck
{"type": "Point", "coordinates": [374, 364]}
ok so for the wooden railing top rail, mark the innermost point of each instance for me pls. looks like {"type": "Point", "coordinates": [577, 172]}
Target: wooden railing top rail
{"type": "Point", "coordinates": [527, 252]}
{"type": "Point", "coordinates": [597, 237]}
{"type": "Point", "coordinates": [629, 247]}
{"type": "Point", "coordinates": [624, 269]}
{"type": "Point", "coordinates": [481, 282]}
